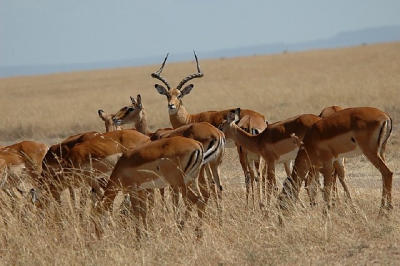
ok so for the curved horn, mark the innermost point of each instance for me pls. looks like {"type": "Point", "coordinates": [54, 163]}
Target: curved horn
{"type": "Point", "coordinates": [157, 74]}
{"type": "Point", "coordinates": [199, 74]}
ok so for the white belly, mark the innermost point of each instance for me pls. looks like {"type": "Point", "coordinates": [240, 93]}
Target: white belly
{"type": "Point", "coordinates": [154, 180]}
{"type": "Point", "coordinates": [351, 154]}
{"type": "Point", "coordinates": [288, 156]}
{"type": "Point", "coordinates": [155, 183]}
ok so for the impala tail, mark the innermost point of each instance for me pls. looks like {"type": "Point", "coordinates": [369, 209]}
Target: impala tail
{"type": "Point", "coordinates": [214, 150]}
{"type": "Point", "coordinates": [384, 134]}
{"type": "Point", "coordinates": [196, 160]}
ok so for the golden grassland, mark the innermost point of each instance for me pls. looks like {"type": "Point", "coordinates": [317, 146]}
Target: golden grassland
{"type": "Point", "coordinates": [49, 108]}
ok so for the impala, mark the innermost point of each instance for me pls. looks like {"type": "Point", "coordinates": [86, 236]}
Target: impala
{"type": "Point", "coordinates": [52, 165]}
{"type": "Point", "coordinates": [108, 121]}
{"type": "Point", "coordinates": [346, 133]}
{"type": "Point", "coordinates": [211, 138]}
{"type": "Point", "coordinates": [133, 114]}
{"type": "Point", "coordinates": [329, 110]}
{"type": "Point", "coordinates": [18, 160]}
{"type": "Point", "coordinates": [276, 144]}
{"type": "Point", "coordinates": [339, 162]}
{"type": "Point", "coordinates": [174, 162]}
{"type": "Point", "coordinates": [252, 121]}
{"type": "Point", "coordinates": [96, 156]}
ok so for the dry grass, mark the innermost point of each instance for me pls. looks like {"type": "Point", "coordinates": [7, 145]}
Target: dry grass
{"type": "Point", "coordinates": [51, 107]}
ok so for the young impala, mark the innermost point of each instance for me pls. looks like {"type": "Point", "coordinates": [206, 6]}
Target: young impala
{"type": "Point", "coordinates": [344, 134]}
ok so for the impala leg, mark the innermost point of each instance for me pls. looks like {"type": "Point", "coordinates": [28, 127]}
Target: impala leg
{"type": "Point", "coordinates": [339, 169]}
{"type": "Point", "coordinates": [150, 203]}
{"type": "Point", "coordinates": [216, 174]}
{"type": "Point", "coordinates": [335, 193]}
{"type": "Point", "coordinates": [244, 165]}
{"type": "Point", "coordinates": [206, 170]}
{"type": "Point", "coordinates": [125, 207]}
{"type": "Point", "coordinates": [387, 179]}
{"type": "Point", "coordinates": [242, 159]}
{"type": "Point", "coordinates": [142, 196]}
{"type": "Point", "coordinates": [271, 180]}
{"type": "Point", "coordinates": [200, 203]}
{"type": "Point", "coordinates": [151, 198]}
{"type": "Point", "coordinates": [215, 168]}
{"type": "Point", "coordinates": [175, 201]}
{"type": "Point", "coordinates": [312, 186]}
{"type": "Point", "coordinates": [201, 186]}
{"type": "Point", "coordinates": [252, 179]}
{"type": "Point", "coordinates": [103, 209]}
{"type": "Point", "coordinates": [263, 173]}
{"type": "Point", "coordinates": [288, 167]}
{"type": "Point", "coordinates": [253, 162]}
{"type": "Point", "coordinates": [136, 205]}
{"type": "Point", "coordinates": [327, 172]}
{"type": "Point", "coordinates": [163, 200]}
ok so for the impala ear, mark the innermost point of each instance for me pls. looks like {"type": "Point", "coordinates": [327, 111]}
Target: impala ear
{"type": "Point", "coordinates": [161, 90]}
{"type": "Point", "coordinates": [231, 116]}
{"type": "Point", "coordinates": [133, 100]}
{"type": "Point", "coordinates": [237, 115]}
{"type": "Point", "coordinates": [101, 114]}
{"type": "Point", "coordinates": [187, 90]}
{"type": "Point", "coordinates": [139, 100]}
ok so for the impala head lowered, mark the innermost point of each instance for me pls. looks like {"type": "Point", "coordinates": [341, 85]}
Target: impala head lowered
{"type": "Point", "coordinates": [175, 96]}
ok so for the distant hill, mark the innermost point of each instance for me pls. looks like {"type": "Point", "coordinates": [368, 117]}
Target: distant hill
{"type": "Point", "coordinates": [344, 39]}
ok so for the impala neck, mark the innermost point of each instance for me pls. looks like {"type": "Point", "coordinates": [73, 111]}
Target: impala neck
{"type": "Point", "coordinates": [180, 118]}
{"type": "Point", "coordinates": [141, 124]}
{"type": "Point", "coordinates": [244, 139]}
{"type": "Point", "coordinates": [300, 169]}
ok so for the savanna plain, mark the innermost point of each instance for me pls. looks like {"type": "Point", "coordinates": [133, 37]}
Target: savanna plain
{"type": "Point", "coordinates": [49, 108]}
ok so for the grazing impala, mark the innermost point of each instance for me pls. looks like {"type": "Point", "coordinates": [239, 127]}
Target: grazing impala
{"type": "Point", "coordinates": [97, 156]}
{"type": "Point", "coordinates": [252, 121]}
{"type": "Point", "coordinates": [338, 163]}
{"type": "Point", "coordinates": [18, 160]}
{"type": "Point", "coordinates": [53, 161]}
{"type": "Point", "coordinates": [276, 144]}
{"type": "Point", "coordinates": [174, 162]}
{"type": "Point", "coordinates": [211, 138]}
{"type": "Point", "coordinates": [346, 133]}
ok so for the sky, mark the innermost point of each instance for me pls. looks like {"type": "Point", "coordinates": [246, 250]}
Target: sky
{"type": "Point", "coordinates": [88, 31]}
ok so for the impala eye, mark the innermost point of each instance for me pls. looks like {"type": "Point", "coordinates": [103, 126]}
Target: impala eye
{"type": "Point", "coordinates": [131, 109]}
{"type": "Point", "coordinates": [179, 96]}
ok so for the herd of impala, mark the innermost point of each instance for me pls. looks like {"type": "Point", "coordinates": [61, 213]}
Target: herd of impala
{"type": "Point", "coordinates": [187, 157]}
